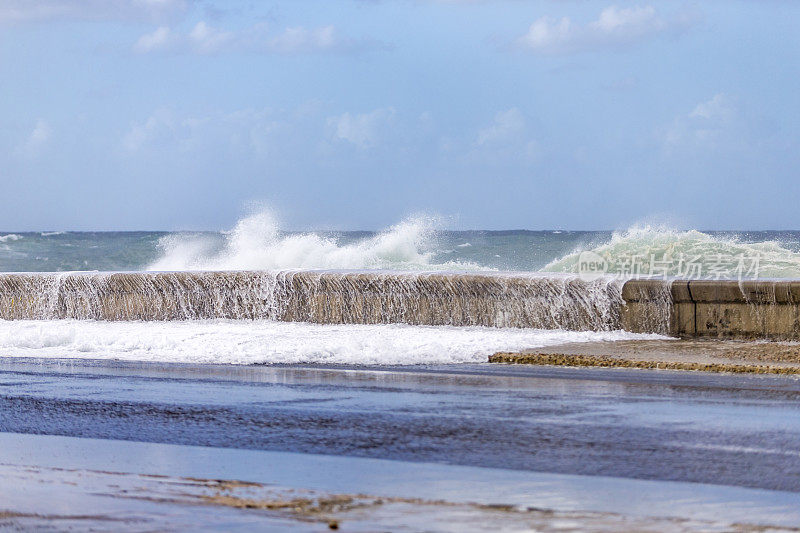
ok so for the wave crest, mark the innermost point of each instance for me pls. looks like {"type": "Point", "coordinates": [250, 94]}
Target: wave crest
{"type": "Point", "coordinates": [10, 237]}
{"type": "Point", "coordinates": [257, 243]}
{"type": "Point", "coordinates": [675, 253]}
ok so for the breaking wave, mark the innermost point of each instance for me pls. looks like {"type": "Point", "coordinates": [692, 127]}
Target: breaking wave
{"type": "Point", "coordinates": [10, 237]}
{"type": "Point", "coordinates": [257, 243]}
{"type": "Point", "coordinates": [659, 251]}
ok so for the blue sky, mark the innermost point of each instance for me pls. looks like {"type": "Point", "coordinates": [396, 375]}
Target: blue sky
{"type": "Point", "coordinates": [352, 114]}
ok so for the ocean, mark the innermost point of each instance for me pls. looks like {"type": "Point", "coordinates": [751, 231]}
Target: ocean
{"type": "Point", "coordinates": [416, 245]}
{"type": "Point", "coordinates": [257, 242]}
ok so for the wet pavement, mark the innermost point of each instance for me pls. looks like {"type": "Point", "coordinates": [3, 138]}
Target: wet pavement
{"type": "Point", "coordinates": [731, 430]}
{"type": "Point", "coordinates": [74, 483]}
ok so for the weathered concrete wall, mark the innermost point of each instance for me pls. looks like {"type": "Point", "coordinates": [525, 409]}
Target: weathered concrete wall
{"type": "Point", "coordinates": [749, 309]}
{"type": "Point", "coordinates": [347, 297]}
{"type": "Point", "coordinates": [719, 308]}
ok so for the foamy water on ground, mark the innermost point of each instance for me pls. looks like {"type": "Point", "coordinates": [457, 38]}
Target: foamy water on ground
{"type": "Point", "coordinates": [269, 342]}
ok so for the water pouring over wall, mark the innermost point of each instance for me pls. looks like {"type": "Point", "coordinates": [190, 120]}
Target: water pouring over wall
{"type": "Point", "coordinates": [721, 308]}
{"type": "Point", "coordinates": [328, 297]}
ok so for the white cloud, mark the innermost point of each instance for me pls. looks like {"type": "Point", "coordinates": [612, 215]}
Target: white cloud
{"type": "Point", "coordinates": [160, 124]}
{"type": "Point", "coordinates": [614, 27]}
{"type": "Point", "coordinates": [205, 39]}
{"type": "Point", "coordinates": [720, 107]}
{"type": "Point", "coordinates": [709, 123]}
{"type": "Point", "coordinates": [148, 42]}
{"type": "Point", "coordinates": [362, 130]}
{"type": "Point", "coordinates": [36, 140]}
{"type": "Point", "coordinates": [505, 139]}
{"type": "Point", "coordinates": [300, 39]}
{"type": "Point", "coordinates": [507, 126]}
{"type": "Point", "coordinates": [35, 10]}
{"type": "Point", "coordinates": [243, 131]}
{"type": "Point", "coordinates": [548, 35]}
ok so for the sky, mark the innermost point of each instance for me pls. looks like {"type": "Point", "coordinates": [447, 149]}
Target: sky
{"type": "Point", "coordinates": [353, 114]}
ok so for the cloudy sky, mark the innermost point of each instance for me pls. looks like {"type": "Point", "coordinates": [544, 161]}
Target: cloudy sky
{"type": "Point", "coordinates": [351, 114]}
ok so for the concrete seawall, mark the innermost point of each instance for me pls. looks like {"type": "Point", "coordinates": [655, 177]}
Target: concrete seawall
{"type": "Point", "coordinates": [727, 309]}
{"type": "Point", "coordinates": [718, 308]}
{"type": "Point", "coordinates": [329, 297]}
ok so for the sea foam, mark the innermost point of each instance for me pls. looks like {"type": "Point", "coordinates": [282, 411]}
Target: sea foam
{"type": "Point", "coordinates": [268, 342]}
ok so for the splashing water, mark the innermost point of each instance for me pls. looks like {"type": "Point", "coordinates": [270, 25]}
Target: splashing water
{"type": "Point", "coordinates": [416, 244]}
{"type": "Point", "coordinates": [659, 251]}
{"type": "Point", "coordinates": [257, 243]}
{"type": "Point", "coordinates": [10, 237]}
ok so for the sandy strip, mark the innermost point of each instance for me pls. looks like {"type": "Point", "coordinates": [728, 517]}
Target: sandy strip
{"type": "Point", "coordinates": [702, 355]}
